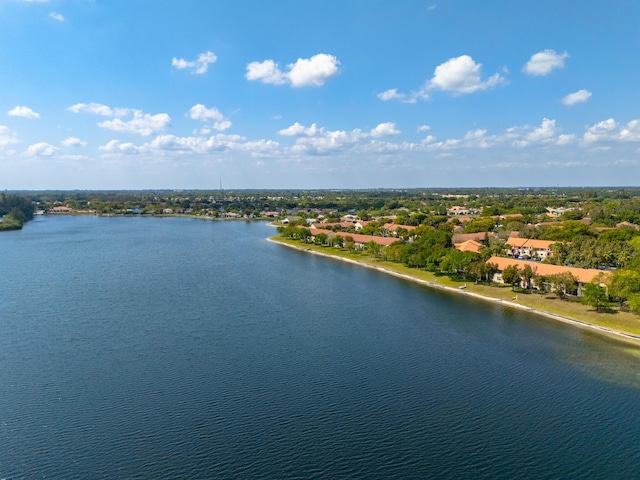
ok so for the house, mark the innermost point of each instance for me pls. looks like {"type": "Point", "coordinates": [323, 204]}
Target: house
{"type": "Point", "coordinates": [627, 224]}
{"type": "Point", "coordinates": [582, 275]}
{"type": "Point", "coordinates": [359, 240]}
{"type": "Point", "coordinates": [469, 246]}
{"type": "Point", "coordinates": [478, 237]}
{"type": "Point", "coordinates": [61, 209]}
{"type": "Point", "coordinates": [529, 248]}
{"type": "Point", "coordinates": [392, 228]}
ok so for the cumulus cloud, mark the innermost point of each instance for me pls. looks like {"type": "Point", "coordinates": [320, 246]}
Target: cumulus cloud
{"type": "Point", "coordinates": [314, 71]}
{"type": "Point", "coordinates": [542, 63]}
{"type": "Point", "coordinates": [42, 149]}
{"type": "Point", "coordinates": [519, 137]}
{"type": "Point", "coordinates": [297, 130]}
{"type": "Point", "coordinates": [328, 142]}
{"type": "Point", "coordinates": [143, 124]}
{"type": "Point", "coordinates": [24, 112]}
{"type": "Point", "coordinates": [266, 72]}
{"type": "Point", "coordinates": [171, 145]}
{"type": "Point", "coordinates": [544, 133]}
{"type": "Point", "coordinates": [631, 132]}
{"type": "Point", "coordinates": [601, 131]}
{"type": "Point", "coordinates": [424, 128]}
{"type": "Point", "coordinates": [57, 16]}
{"type": "Point", "coordinates": [73, 142]}
{"type": "Point", "coordinates": [384, 129]}
{"type": "Point", "coordinates": [198, 66]}
{"type": "Point", "coordinates": [581, 96]}
{"type": "Point", "coordinates": [461, 75]}
{"type": "Point", "coordinates": [213, 115]}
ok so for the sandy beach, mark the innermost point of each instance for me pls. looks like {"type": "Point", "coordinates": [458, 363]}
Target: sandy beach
{"type": "Point", "coordinates": [572, 321]}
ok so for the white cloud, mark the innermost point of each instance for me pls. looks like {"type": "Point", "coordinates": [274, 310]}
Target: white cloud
{"type": "Point", "coordinates": [566, 139]}
{"type": "Point", "coordinates": [601, 131]}
{"type": "Point", "coordinates": [297, 130]}
{"type": "Point", "coordinates": [142, 123]}
{"type": "Point", "coordinates": [6, 137]}
{"type": "Point", "coordinates": [99, 109]}
{"type": "Point", "coordinates": [110, 146]}
{"type": "Point", "coordinates": [581, 96]}
{"type": "Point", "coordinates": [265, 72]}
{"type": "Point", "coordinates": [461, 75]}
{"type": "Point", "coordinates": [424, 128]}
{"type": "Point", "coordinates": [200, 112]}
{"type": "Point", "coordinates": [73, 142]}
{"type": "Point", "coordinates": [57, 16]}
{"type": "Point", "coordinates": [542, 134]}
{"type": "Point", "coordinates": [328, 142]}
{"type": "Point", "coordinates": [431, 7]}
{"type": "Point", "coordinates": [609, 130]}
{"type": "Point", "coordinates": [520, 137]}
{"type": "Point", "coordinates": [314, 71]}
{"type": "Point", "coordinates": [384, 129]}
{"type": "Point", "coordinates": [631, 132]}
{"type": "Point", "coordinates": [391, 94]}
{"type": "Point", "coordinates": [24, 112]}
{"type": "Point", "coordinates": [42, 149]}
{"type": "Point", "coordinates": [198, 66]}
{"type": "Point", "coordinates": [542, 63]}
{"type": "Point", "coordinates": [170, 145]}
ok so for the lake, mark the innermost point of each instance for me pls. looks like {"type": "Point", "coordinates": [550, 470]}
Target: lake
{"type": "Point", "coordinates": [186, 348]}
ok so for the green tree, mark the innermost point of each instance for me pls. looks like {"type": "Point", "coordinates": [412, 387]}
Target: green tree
{"type": "Point", "coordinates": [562, 283]}
{"type": "Point", "coordinates": [321, 238]}
{"type": "Point", "coordinates": [623, 284]}
{"type": "Point", "coordinates": [490, 270]}
{"type": "Point", "coordinates": [349, 243]}
{"type": "Point", "coordinates": [594, 295]}
{"type": "Point", "coordinates": [528, 274]}
{"type": "Point", "coordinates": [511, 276]}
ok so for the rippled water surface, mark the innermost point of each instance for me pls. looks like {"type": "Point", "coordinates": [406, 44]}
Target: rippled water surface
{"type": "Point", "coordinates": [182, 348]}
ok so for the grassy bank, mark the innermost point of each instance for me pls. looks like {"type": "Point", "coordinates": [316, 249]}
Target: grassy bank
{"type": "Point", "coordinates": [614, 319]}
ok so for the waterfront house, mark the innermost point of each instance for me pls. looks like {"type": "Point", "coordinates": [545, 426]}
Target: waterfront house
{"type": "Point", "coordinates": [529, 248]}
{"type": "Point", "coordinates": [582, 275]}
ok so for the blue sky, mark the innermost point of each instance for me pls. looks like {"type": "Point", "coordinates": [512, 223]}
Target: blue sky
{"type": "Point", "coordinates": [114, 94]}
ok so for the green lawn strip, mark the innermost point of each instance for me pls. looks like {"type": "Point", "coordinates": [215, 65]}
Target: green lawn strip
{"type": "Point", "coordinates": [618, 320]}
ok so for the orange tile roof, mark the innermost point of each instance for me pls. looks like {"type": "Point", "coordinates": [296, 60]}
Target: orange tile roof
{"type": "Point", "coordinates": [356, 237]}
{"type": "Point", "coordinates": [529, 242]}
{"type": "Point", "coordinates": [463, 237]}
{"type": "Point", "coordinates": [394, 226]}
{"type": "Point", "coordinates": [584, 275]}
{"type": "Point", "coordinates": [469, 246]}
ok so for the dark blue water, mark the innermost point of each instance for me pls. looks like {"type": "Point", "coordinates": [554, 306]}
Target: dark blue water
{"type": "Point", "coordinates": [182, 348]}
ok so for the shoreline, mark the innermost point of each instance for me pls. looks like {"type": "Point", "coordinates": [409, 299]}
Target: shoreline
{"type": "Point", "coordinates": [628, 337]}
